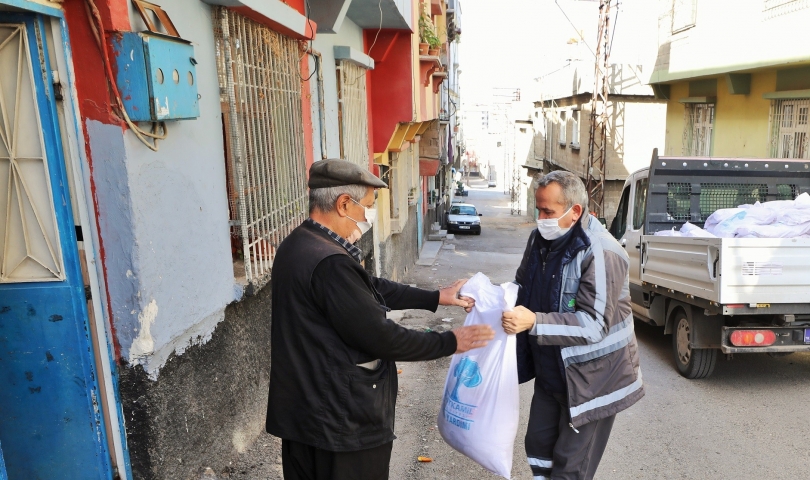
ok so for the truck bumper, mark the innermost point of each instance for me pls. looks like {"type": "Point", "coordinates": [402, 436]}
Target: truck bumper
{"type": "Point", "coordinates": [788, 339]}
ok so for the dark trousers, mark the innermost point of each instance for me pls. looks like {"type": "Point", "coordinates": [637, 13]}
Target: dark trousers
{"type": "Point", "coordinates": [554, 450]}
{"type": "Point", "coordinates": [304, 462]}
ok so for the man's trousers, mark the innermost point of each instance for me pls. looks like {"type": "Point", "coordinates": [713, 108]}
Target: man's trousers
{"type": "Point", "coordinates": [304, 462]}
{"type": "Point", "coordinates": [554, 449]}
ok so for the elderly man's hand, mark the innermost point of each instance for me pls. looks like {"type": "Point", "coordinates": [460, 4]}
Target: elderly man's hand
{"type": "Point", "coordinates": [449, 296]}
{"type": "Point", "coordinates": [518, 320]}
{"type": "Point", "coordinates": [474, 336]}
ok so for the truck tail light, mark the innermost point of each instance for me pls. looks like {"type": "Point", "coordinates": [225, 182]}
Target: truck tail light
{"type": "Point", "coordinates": [752, 338]}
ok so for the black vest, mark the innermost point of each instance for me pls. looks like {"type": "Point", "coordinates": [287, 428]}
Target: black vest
{"type": "Point", "coordinates": [318, 396]}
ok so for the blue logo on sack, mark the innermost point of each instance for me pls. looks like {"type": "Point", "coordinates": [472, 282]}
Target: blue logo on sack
{"type": "Point", "coordinates": [467, 374]}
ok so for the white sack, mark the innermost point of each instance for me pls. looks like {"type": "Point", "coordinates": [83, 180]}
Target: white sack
{"type": "Point", "coordinates": [668, 233]}
{"type": "Point", "coordinates": [773, 231]}
{"type": "Point", "coordinates": [691, 230]}
{"type": "Point", "coordinates": [726, 227]}
{"type": "Point", "coordinates": [481, 404]}
{"type": "Point", "coordinates": [799, 214]}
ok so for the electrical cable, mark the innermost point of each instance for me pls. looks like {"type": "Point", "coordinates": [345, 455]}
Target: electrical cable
{"type": "Point", "coordinates": [575, 28]}
{"type": "Point", "coordinates": [308, 49]}
{"type": "Point", "coordinates": [101, 40]}
{"type": "Point", "coordinates": [613, 34]}
{"type": "Point", "coordinates": [379, 29]}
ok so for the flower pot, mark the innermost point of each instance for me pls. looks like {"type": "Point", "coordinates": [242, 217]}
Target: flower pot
{"type": "Point", "coordinates": [423, 48]}
{"type": "Point", "coordinates": [433, 52]}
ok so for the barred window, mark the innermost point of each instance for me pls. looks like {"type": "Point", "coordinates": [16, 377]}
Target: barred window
{"type": "Point", "coordinates": [352, 113]}
{"type": "Point", "coordinates": [260, 93]}
{"type": "Point", "coordinates": [789, 128]}
{"type": "Point", "coordinates": [698, 129]}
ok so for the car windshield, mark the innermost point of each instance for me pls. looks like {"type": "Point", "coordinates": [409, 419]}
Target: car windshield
{"type": "Point", "coordinates": [462, 210]}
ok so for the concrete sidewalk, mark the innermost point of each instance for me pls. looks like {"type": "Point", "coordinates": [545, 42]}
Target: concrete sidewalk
{"type": "Point", "coordinates": [428, 254]}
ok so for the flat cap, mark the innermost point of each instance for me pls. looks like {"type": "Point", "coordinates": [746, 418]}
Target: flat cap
{"type": "Point", "coordinates": [335, 173]}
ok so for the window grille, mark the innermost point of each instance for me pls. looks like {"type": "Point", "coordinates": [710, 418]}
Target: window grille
{"type": "Point", "coordinates": [715, 196]}
{"type": "Point", "coordinates": [353, 113]}
{"type": "Point", "coordinates": [789, 128]}
{"type": "Point", "coordinates": [679, 198]}
{"type": "Point", "coordinates": [260, 89]}
{"type": "Point", "coordinates": [698, 129]}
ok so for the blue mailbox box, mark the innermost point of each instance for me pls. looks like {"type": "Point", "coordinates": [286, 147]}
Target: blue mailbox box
{"type": "Point", "coordinates": [156, 76]}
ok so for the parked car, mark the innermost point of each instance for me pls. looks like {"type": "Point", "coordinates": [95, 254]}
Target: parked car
{"type": "Point", "coordinates": [715, 295]}
{"type": "Point", "coordinates": [463, 217]}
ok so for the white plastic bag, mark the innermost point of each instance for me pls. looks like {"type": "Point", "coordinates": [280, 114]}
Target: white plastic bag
{"type": "Point", "coordinates": [481, 404]}
{"type": "Point", "coordinates": [691, 230]}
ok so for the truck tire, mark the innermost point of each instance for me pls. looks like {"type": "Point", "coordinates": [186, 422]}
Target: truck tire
{"type": "Point", "coordinates": [691, 362]}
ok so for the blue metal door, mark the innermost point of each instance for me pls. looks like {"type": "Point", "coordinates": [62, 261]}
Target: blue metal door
{"type": "Point", "coordinates": [3, 475]}
{"type": "Point", "coordinates": [51, 426]}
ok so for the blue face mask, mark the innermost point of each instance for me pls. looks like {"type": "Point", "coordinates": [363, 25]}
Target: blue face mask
{"type": "Point", "coordinates": [550, 228]}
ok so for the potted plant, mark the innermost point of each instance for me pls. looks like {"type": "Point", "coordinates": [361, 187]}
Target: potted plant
{"type": "Point", "coordinates": [434, 43]}
{"type": "Point", "coordinates": [425, 30]}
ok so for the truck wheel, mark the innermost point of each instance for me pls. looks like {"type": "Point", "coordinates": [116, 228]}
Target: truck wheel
{"type": "Point", "coordinates": [691, 363]}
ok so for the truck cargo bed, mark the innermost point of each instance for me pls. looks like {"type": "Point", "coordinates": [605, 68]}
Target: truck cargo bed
{"type": "Point", "coordinates": [730, 270]}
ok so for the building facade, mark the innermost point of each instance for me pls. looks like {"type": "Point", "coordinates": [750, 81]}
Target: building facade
{"type": "Point", "coordinates": [736, 78]}
{"type": "Point", "coordinates": [156, 156]}
{"type": "Point", "coordinates": [562, 122]}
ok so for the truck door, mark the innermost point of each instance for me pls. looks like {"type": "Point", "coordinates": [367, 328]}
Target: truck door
{"type": "Point", "coordinates": [635, 227]}
{"type": "Point", "coordinates": [619, 225]}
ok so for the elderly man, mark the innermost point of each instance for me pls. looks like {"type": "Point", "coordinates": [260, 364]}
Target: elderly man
{"type": "Point", "coordinates": [333, 381]}
{"type": "Point", "coordinates": [575, 331]}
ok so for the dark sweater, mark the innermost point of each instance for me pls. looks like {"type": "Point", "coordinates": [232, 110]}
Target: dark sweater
{"type": "Point", "coordinates": [328, 317]}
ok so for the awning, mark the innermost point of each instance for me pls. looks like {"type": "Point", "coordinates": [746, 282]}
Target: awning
{"type": "Point", "coordinates": [428, 167]}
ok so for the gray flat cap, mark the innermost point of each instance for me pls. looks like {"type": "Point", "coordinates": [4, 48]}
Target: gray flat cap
{"type": "Point", "coordinates": [335, 173]}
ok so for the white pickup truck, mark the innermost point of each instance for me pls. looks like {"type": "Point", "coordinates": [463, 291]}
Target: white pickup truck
{"type": "Point", "coordinates": [729, 295]}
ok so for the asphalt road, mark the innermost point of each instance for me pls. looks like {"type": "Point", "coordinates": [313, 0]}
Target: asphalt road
{"type": "Point", "coordinates": [749, 420]}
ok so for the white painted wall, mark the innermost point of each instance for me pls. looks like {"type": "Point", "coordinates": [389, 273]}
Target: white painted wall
{"type": "Point", "coordinates": [164, 217]}
{"type": "Point", "coordinates": [349, 35]}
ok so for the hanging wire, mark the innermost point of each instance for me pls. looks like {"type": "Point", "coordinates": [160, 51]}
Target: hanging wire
{"type": "Point", "coordinates": [354, 81]}
{"type": "Point", "coordinates": [308, 50]}
{"type": "Point", "coordinates": [615, 21]}
{"type": "Point", "coordinates": [574, 27]}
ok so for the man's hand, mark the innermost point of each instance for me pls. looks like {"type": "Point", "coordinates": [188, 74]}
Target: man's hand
{"type": "Point", "coordinates": [449, 296]}
{"type": "Point", "coordinates": [474, 336]}
{"type": "Point", "coordinates": [518, 320]}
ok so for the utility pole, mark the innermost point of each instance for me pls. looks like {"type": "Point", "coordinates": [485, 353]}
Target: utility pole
{"type": "Point", "coordinates": [597, 142]}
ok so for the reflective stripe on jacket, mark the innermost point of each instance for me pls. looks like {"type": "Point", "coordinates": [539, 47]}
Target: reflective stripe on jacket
{"type": "Point", "coordinates": [594, 327]}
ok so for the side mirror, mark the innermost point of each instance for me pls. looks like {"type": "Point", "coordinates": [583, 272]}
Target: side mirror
{"type": "Point", "coordinates": [480, 214]}
{"type": "Point", "coordinates": [603, 221]}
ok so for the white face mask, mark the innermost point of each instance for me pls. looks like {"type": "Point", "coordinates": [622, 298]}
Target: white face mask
{"type": "Point", "coordinates": [550, 228]}
{"type": "Point", "coordinates": [365, 226]}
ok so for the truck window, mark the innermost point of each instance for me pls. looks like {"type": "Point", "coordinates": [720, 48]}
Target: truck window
{"type": "Point", "coordinates": [619, 225]}
{"type": "Point", "coordinates": [640, 203]}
